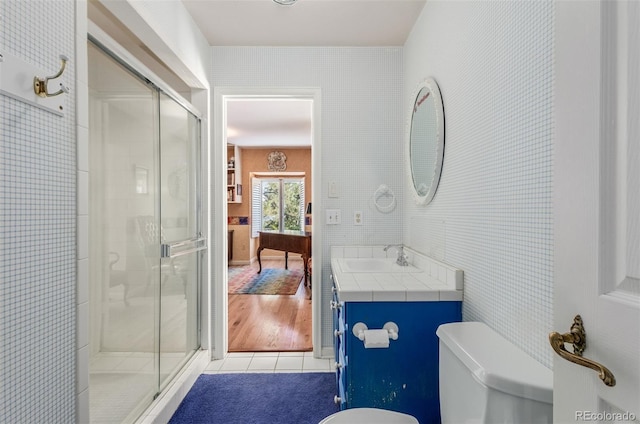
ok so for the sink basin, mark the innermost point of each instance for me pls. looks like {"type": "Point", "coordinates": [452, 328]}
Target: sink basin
{"type": "Point", "coordinates": [374, 265]}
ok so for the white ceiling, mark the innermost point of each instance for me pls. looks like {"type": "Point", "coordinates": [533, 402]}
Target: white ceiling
{"type": "Point", "coordinates": [306, 22]}
{"type": "Point", "coordinates": [269, 122]}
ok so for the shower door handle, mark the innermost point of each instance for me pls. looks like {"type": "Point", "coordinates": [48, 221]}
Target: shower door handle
{"type": "Point", "coordinates": [184, 247]}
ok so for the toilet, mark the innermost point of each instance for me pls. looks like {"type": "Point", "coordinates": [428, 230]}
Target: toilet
{"type": "Point", "coordinates": [483, 379]}
{"type": "Point", "coordinates": [369, 416]}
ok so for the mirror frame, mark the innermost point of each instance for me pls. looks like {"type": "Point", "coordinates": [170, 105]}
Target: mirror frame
{"type": "Point", "coordinates": [431, 85]}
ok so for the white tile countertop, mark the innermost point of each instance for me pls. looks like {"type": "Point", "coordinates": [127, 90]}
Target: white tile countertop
{"type": "Point", "coordinates": [426, 280]}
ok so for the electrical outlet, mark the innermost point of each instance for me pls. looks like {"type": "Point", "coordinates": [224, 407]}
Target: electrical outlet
{"type": "Point", "coordinates": [357, 218]}
{"type": "Point", "coordinates": [333, 216]}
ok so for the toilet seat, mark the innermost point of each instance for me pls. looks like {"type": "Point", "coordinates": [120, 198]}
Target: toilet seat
{"type": "Point", "coordinates": [369, 416]}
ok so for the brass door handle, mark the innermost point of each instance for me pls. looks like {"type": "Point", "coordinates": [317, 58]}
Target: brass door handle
{"type": "Point", "coordinates": [578, 338]}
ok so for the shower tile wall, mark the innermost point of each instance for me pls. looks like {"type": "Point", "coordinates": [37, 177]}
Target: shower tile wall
{"type": "Point", "coordinates": [361, 133]}
{"type": "Point", "coordinates": [38, 225]}
{"type": "Point", "coordinates": [492, 214]}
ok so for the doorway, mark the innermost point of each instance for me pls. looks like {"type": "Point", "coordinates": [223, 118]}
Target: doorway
{"type": "Point", "coordinates": [146, 248]}
{"type": "Point", "coordinates": [242, 150]}
{"type": "Point", "coordinates": [269, 157]}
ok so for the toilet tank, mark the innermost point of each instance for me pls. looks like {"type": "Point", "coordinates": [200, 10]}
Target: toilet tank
{"type": "Point", "coordinates": [484, 378]}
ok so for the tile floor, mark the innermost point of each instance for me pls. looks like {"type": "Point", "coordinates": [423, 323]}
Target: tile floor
{"type": "Point", "coordinates": [237, 362]}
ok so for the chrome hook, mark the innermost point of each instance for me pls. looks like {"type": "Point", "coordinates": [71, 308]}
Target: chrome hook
{"type": "Point", "coordinates": [40, 84]}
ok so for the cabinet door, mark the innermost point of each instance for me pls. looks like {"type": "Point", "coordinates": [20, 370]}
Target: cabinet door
{"type": "Point", "coordinates": [404, 376]}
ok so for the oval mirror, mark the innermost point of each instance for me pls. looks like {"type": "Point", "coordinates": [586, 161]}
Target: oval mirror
{"type": "Point", "coordinates": [426, 141]}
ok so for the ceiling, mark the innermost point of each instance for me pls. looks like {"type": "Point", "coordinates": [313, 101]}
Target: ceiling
{"type": "Point", "coordinates": [269, 122]}
{"type": "Point", "coordinates": [306, 22]}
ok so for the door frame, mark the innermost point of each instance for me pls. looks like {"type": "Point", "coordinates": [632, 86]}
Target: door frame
{"type": "Point", "coordinates": [218, 296]}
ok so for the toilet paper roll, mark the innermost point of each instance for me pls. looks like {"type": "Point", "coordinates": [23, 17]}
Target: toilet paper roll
{"type": "Point", "coordinates": [375, 339]}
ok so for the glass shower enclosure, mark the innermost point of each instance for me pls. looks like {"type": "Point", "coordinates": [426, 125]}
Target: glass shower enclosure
{"type": "Point", "coordinates": [146, 247]}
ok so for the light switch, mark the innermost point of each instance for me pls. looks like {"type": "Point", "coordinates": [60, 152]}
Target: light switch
{"type": "Point", "coordinates": [333, 216]}
{"type": "Point", "coordinates": [333, 189]}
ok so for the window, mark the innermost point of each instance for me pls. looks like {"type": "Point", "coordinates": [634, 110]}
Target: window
{"type": "Point", "coordinates": [277, 204]}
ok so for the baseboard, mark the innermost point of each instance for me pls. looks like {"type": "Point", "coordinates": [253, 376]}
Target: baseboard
{"type": "Point", "coordinates": [292, 257]}
{"type": "Point", "coordinates": [326, 352]}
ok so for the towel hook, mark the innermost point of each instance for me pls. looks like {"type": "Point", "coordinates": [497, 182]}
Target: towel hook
{"type": "Point", "coordinates": [40, 84]}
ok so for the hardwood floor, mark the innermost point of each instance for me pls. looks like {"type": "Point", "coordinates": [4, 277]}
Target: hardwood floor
{"type": "Point", "coordinates": [271, 323]}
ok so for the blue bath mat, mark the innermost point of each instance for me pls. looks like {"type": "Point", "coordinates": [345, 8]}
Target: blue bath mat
{"type": "Point", "coordinates": [297, 398]}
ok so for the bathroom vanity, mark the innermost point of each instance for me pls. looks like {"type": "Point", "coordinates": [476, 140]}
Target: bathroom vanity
{"type": "Point", "coordinates": [373, 291]}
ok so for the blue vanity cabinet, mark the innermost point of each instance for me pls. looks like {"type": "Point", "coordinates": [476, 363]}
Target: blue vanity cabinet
{"type": "Point", "coordinates": [402, 377]}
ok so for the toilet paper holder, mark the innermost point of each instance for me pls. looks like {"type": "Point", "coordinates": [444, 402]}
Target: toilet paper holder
{"type": "Point", "coordinates": [360, 327]}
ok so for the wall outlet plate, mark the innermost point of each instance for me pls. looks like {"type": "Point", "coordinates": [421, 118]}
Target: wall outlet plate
{"type": "Point", "coordinates": [357, 218]}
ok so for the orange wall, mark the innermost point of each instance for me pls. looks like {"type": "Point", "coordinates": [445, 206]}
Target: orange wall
{"type": "Point", "coordinates": [255, 160]}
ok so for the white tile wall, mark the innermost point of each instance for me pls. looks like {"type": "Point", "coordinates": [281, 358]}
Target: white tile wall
{"type": "Point", "coordinates": [361, 130]}
{"type": "Point", "coordinates": [492, 214]}
{"type": "Point", "coordinates": [38, 226]}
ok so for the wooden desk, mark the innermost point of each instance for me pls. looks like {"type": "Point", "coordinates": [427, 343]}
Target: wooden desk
{"type": "Point", "coordinates": [287, 241]}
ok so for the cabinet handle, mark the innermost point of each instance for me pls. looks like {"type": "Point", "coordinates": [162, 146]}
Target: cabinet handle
{"type": "Point", "coordinates": [337, 333]}
{"type": "Point", "coordinates": [337, 400]}
{"type": "Point", "coordinates": [337, 365]}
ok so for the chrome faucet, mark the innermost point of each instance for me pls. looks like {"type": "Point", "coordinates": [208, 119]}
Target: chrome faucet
{"type": "Point", "coordinates": [402, 257]}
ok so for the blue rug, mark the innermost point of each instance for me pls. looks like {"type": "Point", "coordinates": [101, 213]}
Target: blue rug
{"type": "Point", "coordinates": [269, 281]}
{"type": "Point", "coordinates": [298, 398]}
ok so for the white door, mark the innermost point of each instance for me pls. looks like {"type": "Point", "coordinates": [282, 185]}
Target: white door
{"type": "Point", "coordinates": [597, 206]}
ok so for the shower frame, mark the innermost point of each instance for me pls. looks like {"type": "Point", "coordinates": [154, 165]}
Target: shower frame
{"type": "Point", "coordinates": [148, 180]}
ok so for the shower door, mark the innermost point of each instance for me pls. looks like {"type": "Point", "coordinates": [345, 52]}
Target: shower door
{"type": "Point", "coordinates": [145, 248]}
{"type": "Point", "coordinates": [182, 243]}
